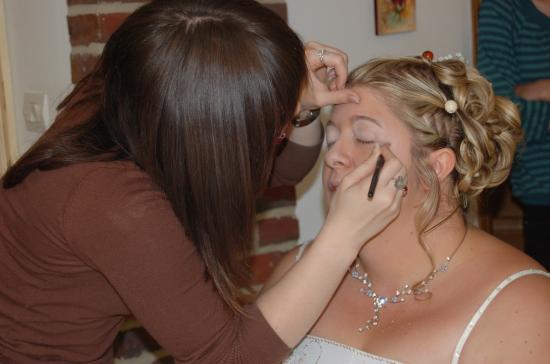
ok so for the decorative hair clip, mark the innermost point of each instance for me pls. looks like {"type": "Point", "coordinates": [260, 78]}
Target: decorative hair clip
{"type": "Point", "coordinates": [450, 56]}
{"type": "Point", "coordinates": [428, 55]}
{"type": "Point", "coordinates": [451, 106]}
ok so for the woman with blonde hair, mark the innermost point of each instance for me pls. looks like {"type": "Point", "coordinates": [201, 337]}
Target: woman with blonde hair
{"type": "Point", "coordinates": [429, 288]}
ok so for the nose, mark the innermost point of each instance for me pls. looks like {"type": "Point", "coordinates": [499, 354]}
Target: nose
{"type": "Point", "coordinates": [338, 156]}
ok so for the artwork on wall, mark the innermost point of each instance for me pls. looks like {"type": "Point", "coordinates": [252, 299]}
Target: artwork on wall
{"type": "Point", "coordinates": [395, 16]}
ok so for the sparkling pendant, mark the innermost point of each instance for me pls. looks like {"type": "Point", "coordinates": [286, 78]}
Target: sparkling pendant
{"type": "Point", "coordinates": [381, 301]}
{"type": "Point", "coordinates": [419, 291]}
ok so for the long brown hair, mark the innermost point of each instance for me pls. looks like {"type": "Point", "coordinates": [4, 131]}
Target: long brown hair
{"type": "Point", "coordinates": [193, 92]}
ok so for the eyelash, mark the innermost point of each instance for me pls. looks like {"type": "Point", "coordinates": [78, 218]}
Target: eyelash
{"type": "Point", "coordinates": [358, 140]}
{"type": "Point", "coordinates": [365, 141]}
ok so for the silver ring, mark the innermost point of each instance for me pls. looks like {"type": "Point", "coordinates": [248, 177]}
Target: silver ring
{"type": "Point", "coordinates": [400, 182]}
{"type": "Point", "coordinates": [321, 54]}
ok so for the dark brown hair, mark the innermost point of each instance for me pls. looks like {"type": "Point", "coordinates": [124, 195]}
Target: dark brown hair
{"type": "Point", "coordinates": [193, 92]}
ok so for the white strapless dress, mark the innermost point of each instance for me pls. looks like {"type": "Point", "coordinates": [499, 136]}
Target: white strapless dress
{"type": "Point", "coordinates": [318, 350]}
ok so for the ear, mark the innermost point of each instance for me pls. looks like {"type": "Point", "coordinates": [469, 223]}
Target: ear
{"type": "Point", "coordinates": [443, 162]}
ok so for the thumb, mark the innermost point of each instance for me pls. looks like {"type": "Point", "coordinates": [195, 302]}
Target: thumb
{"type": "Point", "coordinates": [334, 97]}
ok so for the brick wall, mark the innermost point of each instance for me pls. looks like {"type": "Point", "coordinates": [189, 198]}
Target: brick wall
{"type": "Point", "coordinates": [90, 23]}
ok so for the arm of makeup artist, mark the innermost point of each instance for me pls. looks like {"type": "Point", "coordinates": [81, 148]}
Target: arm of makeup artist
{"type": "Point", "coordinates": [161, 280]}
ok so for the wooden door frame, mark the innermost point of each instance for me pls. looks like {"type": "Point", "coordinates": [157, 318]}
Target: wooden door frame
{"type": "Point", "coordinates": [475, 10]}
{"type": "Point", "coordinates": [8, 136]}
{"type": "Point", "coordinates": [478, 212]}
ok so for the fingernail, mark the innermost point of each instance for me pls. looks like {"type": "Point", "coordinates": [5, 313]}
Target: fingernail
{"type": "Point", "coordinates": [354, 98]}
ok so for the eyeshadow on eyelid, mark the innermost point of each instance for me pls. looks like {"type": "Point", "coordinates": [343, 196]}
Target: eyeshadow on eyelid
{"type": "Point", "coordinates": [366, 123]}
{"type": "Point", "coordinates": [365, 132]}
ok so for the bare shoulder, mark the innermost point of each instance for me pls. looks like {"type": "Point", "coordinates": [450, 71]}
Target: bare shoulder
{"type": "Point", "coordinates": [285, 264]}
{"type": "Point", "coordinates": [515, 328]}
{"type": "Point", "coordinates": [496, 257]}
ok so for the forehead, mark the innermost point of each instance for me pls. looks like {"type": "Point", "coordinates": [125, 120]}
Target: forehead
{"type": "Point", "coordinates": [372, 104]}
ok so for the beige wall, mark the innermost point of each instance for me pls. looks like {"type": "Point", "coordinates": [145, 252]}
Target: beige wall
{"type": "Point", "coordinates": [8, 143]}
{"type": "Point", "coordinates": [38, 43]}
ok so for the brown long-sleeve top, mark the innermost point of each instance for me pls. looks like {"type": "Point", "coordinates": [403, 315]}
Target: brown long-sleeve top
{"type": "Point", "coordinates": [83, 246]}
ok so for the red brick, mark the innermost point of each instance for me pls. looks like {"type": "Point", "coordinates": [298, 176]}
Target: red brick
{"type": "Point", "coordinates": [273, 231]}
{"type": "Point", "coordinates": [81, 64]}
{"type": "Point", "coordinates": [263, 265]}
{"type": "Point", "coordinates": [108, 23]}
{"type": "Point", "coordinates": [279, 193]}
{"type": "Point", "coordinates": [279, 9]}
{"type": "Point", "coordinates": [83, 29]}
{"type": "Point", "coordinates": [275, 198]}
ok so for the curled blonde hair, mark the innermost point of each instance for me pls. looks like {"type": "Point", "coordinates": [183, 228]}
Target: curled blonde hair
{"type": "Point", "coordinates": [483, 132]}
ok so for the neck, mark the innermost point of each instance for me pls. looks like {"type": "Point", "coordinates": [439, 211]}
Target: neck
{"type": "Point", "coordinates": [543, 6]}
{"type": "Point", "coordinates": [395, 257]}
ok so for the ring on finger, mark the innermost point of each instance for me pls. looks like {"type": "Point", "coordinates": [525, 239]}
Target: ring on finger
{"type": "Point", "coordinates": [400, 183]}
{"type": "Point", "coordinates": [321, 54]}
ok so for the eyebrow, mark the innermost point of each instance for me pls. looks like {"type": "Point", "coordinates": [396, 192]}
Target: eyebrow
{"type": "Point", "coordinates": [355, 118]}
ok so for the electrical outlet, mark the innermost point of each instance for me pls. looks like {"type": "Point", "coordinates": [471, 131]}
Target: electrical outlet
{"type": "Point", "coordinates": [35, 110]}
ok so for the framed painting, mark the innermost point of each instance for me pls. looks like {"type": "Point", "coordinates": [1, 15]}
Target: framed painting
{"type": "Point", "coordinates": [395, 16]}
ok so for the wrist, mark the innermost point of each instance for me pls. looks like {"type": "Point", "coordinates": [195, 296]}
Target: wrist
{"type": "Point", "coordinates": [309, 135]}
{"type": "Point", "coordinates": [306, 117]}
{"type": "Point", "coordinates": [340, 244]}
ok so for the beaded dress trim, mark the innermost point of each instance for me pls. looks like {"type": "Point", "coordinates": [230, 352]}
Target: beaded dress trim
{"type": "Point", "coordinates": [319, 350]}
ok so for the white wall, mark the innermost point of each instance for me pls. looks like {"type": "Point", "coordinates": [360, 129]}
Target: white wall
{"type": "Point", "coordinates": [38, 43]}
{"type": "Point", "coordinates": [442, 26]}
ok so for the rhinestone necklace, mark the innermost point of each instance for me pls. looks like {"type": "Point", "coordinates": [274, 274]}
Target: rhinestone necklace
{"type": "Point", "coordinates": [420, 291]}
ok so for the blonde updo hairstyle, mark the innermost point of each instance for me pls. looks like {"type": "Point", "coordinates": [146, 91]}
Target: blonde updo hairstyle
{"type": "Point", "coordinates": [483, 132]}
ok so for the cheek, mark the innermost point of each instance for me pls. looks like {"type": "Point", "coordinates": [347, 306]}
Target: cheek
{"type": "Point", "coordinates": [325, 177]}
{"type": "Point", "coordinates": [402, 150]}
{"type": "Point", "coordinates": [362, 153]}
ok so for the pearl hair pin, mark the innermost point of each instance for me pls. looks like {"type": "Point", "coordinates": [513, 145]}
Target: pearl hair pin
{"type": "Point", "coordinates": [451, 106]}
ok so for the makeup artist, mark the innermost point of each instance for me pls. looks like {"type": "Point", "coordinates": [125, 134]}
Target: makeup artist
{"type": "Point", "coordinates": [140, 198]}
